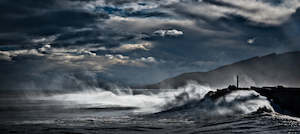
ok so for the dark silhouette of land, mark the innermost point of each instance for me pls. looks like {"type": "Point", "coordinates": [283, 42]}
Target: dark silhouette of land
{"type": "Point", "coordinates": [285, 100]}
{"type": "Point", "coordinates": [265, 72]}
{"type": "Point", "coordinates": [270, 70]}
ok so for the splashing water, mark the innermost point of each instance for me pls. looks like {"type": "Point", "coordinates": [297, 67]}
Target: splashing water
{"type": "Point", "coordinates": [121, 97]}
{"type": "Point", "coordinates": [237, 102]}
{"type": "Point", "coordinates": [242, 101]}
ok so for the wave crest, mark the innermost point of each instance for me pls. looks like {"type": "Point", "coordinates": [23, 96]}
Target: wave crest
{"type": "Point", "coordinates": [190, 100]}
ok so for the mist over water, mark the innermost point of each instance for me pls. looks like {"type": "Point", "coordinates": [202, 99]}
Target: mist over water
{"type": "Point", "coordinates": [65, 66]}
{"type": "Point", "coordinates": [120, 110]}
{"type": "Point", "coordinates": [124, 97]}
{"type": "Point", "coordinates": [242, 102]}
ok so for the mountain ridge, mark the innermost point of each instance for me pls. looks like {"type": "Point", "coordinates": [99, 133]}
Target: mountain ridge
{"type": "Point", "coordinates": [269, 70]}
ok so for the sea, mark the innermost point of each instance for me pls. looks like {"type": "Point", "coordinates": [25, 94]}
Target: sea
{"type": "Point", "coordinates": [185, 110]}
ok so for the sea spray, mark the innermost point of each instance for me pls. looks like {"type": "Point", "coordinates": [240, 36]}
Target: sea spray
{"type": "Point", "coordinates": [232, 104]}
{"type": "Point", "coordinates": [123, 97]}
{"type": "Point", "coordinates": [190, 100]}
{"type": "Point", "coordinates": [241, 102]}
{"type": "Point", "coordinates": [190, 92]}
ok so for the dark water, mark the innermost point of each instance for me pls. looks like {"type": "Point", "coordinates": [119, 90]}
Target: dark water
{"type": "Point", "coordinates": [184, 111]}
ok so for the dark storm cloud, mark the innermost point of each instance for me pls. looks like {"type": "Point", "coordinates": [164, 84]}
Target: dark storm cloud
{"type": "Point", "coordinates": [27, 19]}
{"type": "Point", "coordinates": [131, 13]}
{"type": "Point", "coordinates": [87, 41]}
{"type": "Point", "coordinates": [119, 2]}
{"type": "Point", "coordinates": [51, 22]}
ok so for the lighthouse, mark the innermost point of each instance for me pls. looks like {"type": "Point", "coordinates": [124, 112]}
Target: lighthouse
{"type": "Point", "coordinates": [237, 81]}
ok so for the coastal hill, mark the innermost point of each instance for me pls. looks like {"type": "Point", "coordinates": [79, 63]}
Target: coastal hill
{"type": "Point", "coordinates": [270, 70]}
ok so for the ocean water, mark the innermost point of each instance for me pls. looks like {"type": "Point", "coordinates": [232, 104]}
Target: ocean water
{"type": "Point", "coordinates": [185, 111]}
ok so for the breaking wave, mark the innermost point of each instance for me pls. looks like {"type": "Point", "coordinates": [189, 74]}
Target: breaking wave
{"type": "Point", "coordinates": [190, 100]}
{"type": "Point", "coordinates": [235, 103]}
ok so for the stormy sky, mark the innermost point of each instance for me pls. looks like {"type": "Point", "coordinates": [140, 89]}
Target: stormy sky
{"type": "Point", "coordinates": [58, 44]}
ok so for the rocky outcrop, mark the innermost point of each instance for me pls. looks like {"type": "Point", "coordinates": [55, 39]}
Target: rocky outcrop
{"type": "Point", "coordinates": [285, 100]}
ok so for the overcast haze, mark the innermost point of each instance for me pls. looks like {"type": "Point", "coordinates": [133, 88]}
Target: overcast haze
{"type": "Point", "coordinates": [64, 43]}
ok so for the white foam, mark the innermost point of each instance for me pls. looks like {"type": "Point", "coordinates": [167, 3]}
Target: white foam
{"type": "Point", "coordinates": [124, 98]}
{"type": "Point", "coordinates": [166, 99]}
{"type": "Point", "coordinates": [244, 101]}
